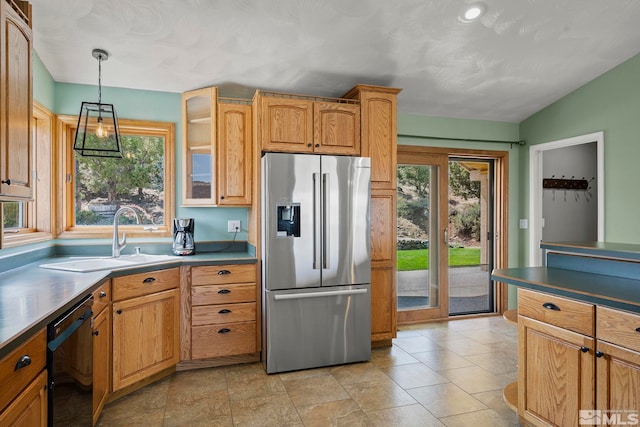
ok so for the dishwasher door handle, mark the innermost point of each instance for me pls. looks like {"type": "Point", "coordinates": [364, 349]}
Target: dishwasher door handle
{"type": "Point", "coordinates": [320, 294]}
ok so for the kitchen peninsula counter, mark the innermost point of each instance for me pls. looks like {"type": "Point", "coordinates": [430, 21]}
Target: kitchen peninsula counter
{"type": "Point", "coordinates": [32, 297]}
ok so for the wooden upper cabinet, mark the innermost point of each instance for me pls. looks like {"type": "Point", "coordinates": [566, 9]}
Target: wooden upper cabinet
{"type": "Point", "coordinates": [336, 128]}
{"type": "Point", "coordinates": [234, 154]}
{"type": "Point", "coordinates": [286, 124]}
{"type": "Point", "coordinates": [379, 132]}
{"type": "Point", "coordinates": [309, 125]}
{"type": "Point", "coordinates": [199, 146]}
{"type": "Point", "coordinates": [216, 149]}
{"type": "Point", "coordinates": [16, 140]}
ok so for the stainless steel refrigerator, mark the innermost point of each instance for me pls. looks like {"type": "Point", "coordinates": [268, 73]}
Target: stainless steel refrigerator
{"type": "Point", "coordinates": [316, 261]}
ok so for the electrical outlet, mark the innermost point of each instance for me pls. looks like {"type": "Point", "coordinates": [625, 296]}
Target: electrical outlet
{"type": "Point", "coordinates": [233, 225]}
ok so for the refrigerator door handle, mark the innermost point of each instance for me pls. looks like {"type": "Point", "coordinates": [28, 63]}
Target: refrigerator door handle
{"type": "Point", "coordinates": [316, 221]}
{"type": "Point", "coordinates": [325, 221]}
{"type": "Point", "coordinates": [320, 294]}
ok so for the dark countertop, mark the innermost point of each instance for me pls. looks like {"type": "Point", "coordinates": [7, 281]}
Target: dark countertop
{"type": "Point", "coordinates": [611, 291]}
{"type": "Point", "coordinates": [32, 297]}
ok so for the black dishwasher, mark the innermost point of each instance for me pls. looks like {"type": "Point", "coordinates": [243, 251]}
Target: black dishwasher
{"type": "Point", "coordinates": [70, 366]}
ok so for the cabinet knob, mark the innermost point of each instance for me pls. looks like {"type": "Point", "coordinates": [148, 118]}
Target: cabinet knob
{"type": "Point", "coordinates": [317, 145]}
{"type": "Point", "coordinates": [22, 362]}
{"type": "Point", "coordinates": [224, 331]}
{"type": "Point", "coordinates": [224, 291]}
{"type": "Point", "coordinates": [223, 272]}
{"type": "Point", "coordinates": [221, 197]}
{"type": "Point", "coordinates": [584, 349]}
{"type": "Point", "coordinates": [102, 294]}
{"type": "Point", "coordinates": [6, 181]}
{"type": "Point", "coordinates": [638, 329]}
{"type": "Point", "coordinates": [309, 145]}
{"type": "Point", "coordinates": [224, 311]}
{"type": "Point", "coordinates": [599, 354]}
{"type": "Point", "coordinates": [149, 280]}
{"type": "Point", "coordinates": [96, 333]}
{"type": "Point", "coordinates": [119, 311]}
{"type": "Point", "coordinates": [551, 306]}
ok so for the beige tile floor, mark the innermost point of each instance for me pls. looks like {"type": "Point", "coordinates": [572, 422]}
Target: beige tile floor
{"type": "Point", "coordinates": [438, 374]}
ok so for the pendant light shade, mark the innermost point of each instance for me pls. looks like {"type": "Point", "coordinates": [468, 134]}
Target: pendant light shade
{"type": "Point", "coordinates": [97, 134]}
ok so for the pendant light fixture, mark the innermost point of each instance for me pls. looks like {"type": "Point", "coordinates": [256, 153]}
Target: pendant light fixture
{"type": "Point", "coordinates": [97, 133]}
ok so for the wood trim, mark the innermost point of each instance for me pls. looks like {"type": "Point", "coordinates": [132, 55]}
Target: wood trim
{"type": "Point", "coordinates": [65, 227]}
{"type": "Point", "coordinates": [185, 312]}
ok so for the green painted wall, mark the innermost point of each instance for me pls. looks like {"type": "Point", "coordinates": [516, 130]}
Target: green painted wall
{"type": "Point", "coordinates": [44, 87]}
{"type": "Point", "coordinates": [609, 103]}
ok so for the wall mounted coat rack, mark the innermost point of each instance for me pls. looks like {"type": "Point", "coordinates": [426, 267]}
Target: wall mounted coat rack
{"type": "Point", "coordinates": [565, 184]}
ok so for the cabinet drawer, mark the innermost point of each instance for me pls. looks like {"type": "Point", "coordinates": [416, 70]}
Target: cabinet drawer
{"type": "Point", "coordinates": [15, 380]}
{"type": "Point", "coordinates": [136, 285]}
{"type": "Point", "coordinates": [562, 312]}
{"type": "Point", "coordinates": [226, 339]}
{"type": "Point", "coordinates": [223, 313]}
{"type": "Point", "coordinates": [618, 327]}
{"type": "Point", "coordinates": [223, 294]}
{"type": "Point", "coordinates": [101, 297]}
{"type": "Point", "coordinates": [219, 274]}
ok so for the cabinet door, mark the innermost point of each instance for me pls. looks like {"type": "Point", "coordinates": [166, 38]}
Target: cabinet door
{"type": "Point", "coordinates": [16, 154]}
{"type": "Point", "coordinates": [379, 137]}
{"type": "Point", "coordinates": [101, 360]}
{"type": "Point", "coordinates": [555, 373]}
{"type": "Point", "coordinates": [234, 154]}
{"type": "Point", "coordinates": [286, 125]}
{"type": "Point", "coordinates": [146, 336]}
{"type": "Point", "coordinates": [198, 147]}
{"type": "Point", "coordinates": [29, 409]}
{"type": "Point", "coordinates": [618, 383]}
{"type": "Point", "coordinates": [383, 307]}
{"type": "Point", "coordinates": [336, 128]}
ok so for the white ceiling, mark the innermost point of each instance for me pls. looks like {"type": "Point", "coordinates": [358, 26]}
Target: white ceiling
{"type": "Point", "coordinates": [519, 57]}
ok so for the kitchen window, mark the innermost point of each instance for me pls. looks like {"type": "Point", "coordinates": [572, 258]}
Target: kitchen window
{"type": "Point", "coordinates": [94, 187]}
{"type": "Point", "coordinates": [29, 222]}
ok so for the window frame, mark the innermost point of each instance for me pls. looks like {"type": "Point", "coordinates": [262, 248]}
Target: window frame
{"type": "Point", "coordinates": [66, 224]}
{"type": "Point", "coordinates": [39, 220]}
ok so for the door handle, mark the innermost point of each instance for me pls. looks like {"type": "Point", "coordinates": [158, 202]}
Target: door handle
{"type": "Point", "coordinates": [320, 294]}
{"type": "Point", "coordinates": [325, 221]}
{"type": "Point", "coordinates": [316, 225]}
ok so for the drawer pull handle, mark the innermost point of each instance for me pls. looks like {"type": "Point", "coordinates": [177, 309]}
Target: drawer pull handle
{"type": "Point", "coordinates": [102, 294]}
{"type": "Point", "coordinates": [638, 329]}
{"type": "Point", "coordinates": [584, 349]}
{"type": "Point", "coordinates": [149, 280]}
{"type": "Point", "coordinates": [224, 291]}
{"type": "Point", "coordinates": [224, 331]}
{"type": "Point", "coordinates": [24, 361]}
{"type": "Point", "coordinates": [224, 311]}
{"type": "Point", "coordinates": [223, 272]}
{"type": "Point", "coordinates": [551, 306]}
{"type": "Point", "coordinates": [599, 354]}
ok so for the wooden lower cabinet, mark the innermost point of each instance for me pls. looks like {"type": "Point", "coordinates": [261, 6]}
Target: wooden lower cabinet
{"type": "Point", "coordinates": [563, 371]}
{"type": "Point", "coordinates": [383, 313]}
{"type": "Point", "coordinates": [101, 360]}
{"type": "Point", "coordinates": [146, 337]}
{"type": "Point", "coordinates": [29, 409]}
{"type": "Point", "coordinates": [556, 375]}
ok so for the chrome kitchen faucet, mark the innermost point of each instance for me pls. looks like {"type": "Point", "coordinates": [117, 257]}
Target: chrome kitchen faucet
{"type": "Point", "coordinates": [118, 245]}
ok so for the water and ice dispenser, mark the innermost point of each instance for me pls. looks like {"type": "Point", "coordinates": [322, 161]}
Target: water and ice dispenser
{"type": "Point", "coordinates": [288, 220]}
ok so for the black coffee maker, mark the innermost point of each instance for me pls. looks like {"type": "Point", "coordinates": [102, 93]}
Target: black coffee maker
{"type": "Point", "coordinates": [183, 243]}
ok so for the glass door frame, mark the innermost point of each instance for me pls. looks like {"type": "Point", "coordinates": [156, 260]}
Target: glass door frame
{"type": "Point", "coordinates": [441, 244]}
{"type": "Point", "coordinates": [416, 155]}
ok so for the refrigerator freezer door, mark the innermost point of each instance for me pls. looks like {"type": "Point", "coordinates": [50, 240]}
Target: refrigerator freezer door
{"type": "Point", "coordinates": [290, 252]}
{"type": "Point", "coordinates": [345, 199]}
{"type": "Point", "coordinates": [307, 328]}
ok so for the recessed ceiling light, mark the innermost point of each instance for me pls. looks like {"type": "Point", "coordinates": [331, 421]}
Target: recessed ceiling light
{"type": "Point", "coordinates": [472, 12]}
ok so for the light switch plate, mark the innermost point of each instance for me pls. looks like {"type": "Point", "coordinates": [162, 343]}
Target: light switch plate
{"type": "Point", "coordinates": [233, 225]}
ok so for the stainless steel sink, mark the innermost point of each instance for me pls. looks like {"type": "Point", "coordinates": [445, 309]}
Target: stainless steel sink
{"type": "Point", "coordinates": [84, 265]}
